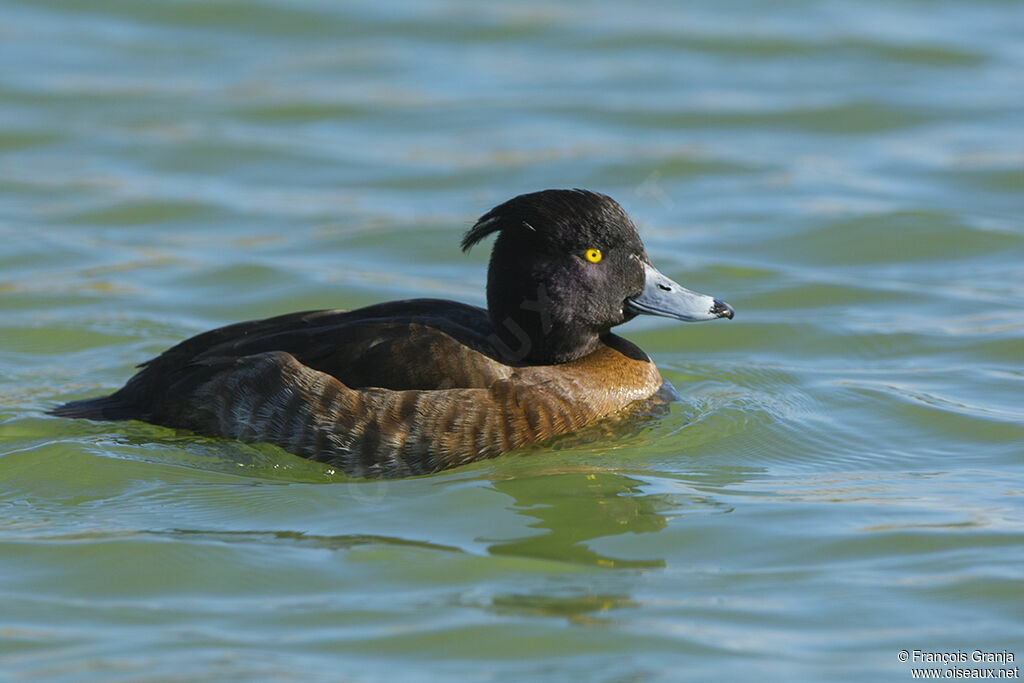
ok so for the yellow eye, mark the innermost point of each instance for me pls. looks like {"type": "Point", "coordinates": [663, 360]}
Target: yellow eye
{"type": "Point", "coordinates": [593, 255]}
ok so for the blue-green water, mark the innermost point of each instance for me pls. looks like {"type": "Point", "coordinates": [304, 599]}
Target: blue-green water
{"type": "Point", "coordinates": [841, 480]}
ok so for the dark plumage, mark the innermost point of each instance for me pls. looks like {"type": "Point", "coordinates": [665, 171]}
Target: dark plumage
{"type": "Point", "coordinates": [410, 387]}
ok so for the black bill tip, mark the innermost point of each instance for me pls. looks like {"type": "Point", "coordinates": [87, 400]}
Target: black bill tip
{"type": "Point", "coordinates": [720, 309]}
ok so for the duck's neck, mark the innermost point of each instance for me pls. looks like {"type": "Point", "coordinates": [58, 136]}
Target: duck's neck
{"type": "Point", "coordinates": [535, 338]}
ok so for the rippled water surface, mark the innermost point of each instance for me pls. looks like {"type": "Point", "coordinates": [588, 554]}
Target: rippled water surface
{"type": "Point", "coordinates": [841, 480]}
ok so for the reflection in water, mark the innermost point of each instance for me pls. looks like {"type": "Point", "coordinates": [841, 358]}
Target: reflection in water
{"type": "Point", "coordinates": [574, 508]}
{"type": "Point", "coordinates": [578, 609]}
{"type": "Point", "coordinates": [295, 538]}
{"type": "Point", "coordinates": [578, 507]}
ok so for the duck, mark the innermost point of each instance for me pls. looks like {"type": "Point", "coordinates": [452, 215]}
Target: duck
{"type": "Point", "coordinates": [418, 386]}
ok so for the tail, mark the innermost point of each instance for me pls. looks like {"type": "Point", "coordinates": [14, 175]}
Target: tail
{"type": "Point", "coordinates": [102, 408]}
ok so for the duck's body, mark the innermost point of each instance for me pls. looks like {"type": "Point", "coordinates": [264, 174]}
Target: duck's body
{"type": "Point", "coordinates": [411, 387]}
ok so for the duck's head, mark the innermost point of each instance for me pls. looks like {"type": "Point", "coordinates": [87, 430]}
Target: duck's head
{"type": "Point", "coordinates": [568, 265]}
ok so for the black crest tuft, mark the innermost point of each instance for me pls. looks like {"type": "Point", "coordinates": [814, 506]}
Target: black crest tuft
{"type": "Point", "coordinates": [544, 211]}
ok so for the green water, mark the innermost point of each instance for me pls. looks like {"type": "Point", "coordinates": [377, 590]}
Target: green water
{"type": "Point", "coordinates": [841, 480]}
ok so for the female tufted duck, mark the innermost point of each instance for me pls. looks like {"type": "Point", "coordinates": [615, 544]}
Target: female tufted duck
{"type": "Point", "coordinates": [417, 386]}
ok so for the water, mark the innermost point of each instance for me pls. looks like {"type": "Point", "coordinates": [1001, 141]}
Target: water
{"type": "Point", "coordinates": [841, 480]}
